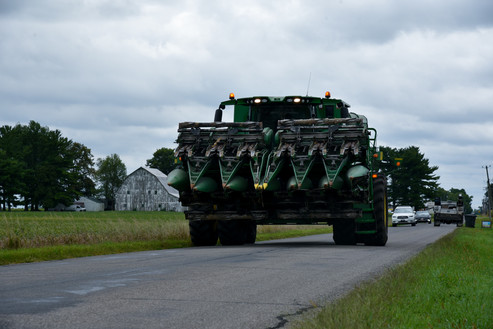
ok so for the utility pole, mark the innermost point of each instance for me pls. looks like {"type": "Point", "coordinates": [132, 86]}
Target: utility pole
{"type": "Point", "coordinates": [489, 191]}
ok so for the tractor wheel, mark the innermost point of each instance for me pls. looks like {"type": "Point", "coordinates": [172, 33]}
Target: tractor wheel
{"type": "Point", "coordinates": [203, 233]}
{"type": "Point", "coordinates": [344, 232]}
{"type": "Point", "coordinates": [234, 232]}
{"type": "Point", "coordinates": [251, 235]}
{"type": "Point", "coordinates": [380, 213]}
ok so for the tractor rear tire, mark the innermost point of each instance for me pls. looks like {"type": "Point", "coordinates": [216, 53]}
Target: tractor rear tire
{"type": "Point", "coordinates": [203, 232]}
{"type": "Point", "coordinates": [380, 212]}
{"type": "Point", "coordinates": [251, 235]}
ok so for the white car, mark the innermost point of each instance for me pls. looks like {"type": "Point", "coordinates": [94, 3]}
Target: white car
{"type": "Point", "coordinates": [403, 215]}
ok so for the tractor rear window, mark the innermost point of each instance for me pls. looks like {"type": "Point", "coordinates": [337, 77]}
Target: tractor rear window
{"type": "Point", "coordinates": [269, 114]}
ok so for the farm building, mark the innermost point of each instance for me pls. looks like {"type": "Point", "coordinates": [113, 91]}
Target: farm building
{"type": "Point", "coordinates": [91, 204]}
{"type": "Point", "coordinates": [146, 189]}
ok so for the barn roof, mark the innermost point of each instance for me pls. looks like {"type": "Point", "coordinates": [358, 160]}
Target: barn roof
{"type": "Point", "coordinates": [162, 178]}
{"type": "Point", "coordinates": [96, 200]}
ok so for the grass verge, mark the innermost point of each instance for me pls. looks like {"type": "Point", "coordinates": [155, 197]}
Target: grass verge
{"type": "Point", "coordinates": [448, 285]}
{"type": "Point", "coordinates": [39, 236]}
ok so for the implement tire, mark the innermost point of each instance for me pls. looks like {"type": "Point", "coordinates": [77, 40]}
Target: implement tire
{"type": "Point", "coordinates": [380, 212]}
{"type": "Point", "coordinates": [203, 233]}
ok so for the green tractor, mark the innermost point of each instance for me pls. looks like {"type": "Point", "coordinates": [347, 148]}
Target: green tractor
{"type": "Point", "coordinates": [284, 160]}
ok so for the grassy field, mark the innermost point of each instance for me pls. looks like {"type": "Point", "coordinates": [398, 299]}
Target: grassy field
{"type": "Point", "coordinates": [39, 236]}
{"type": "Point", "coordinates": [448, 285]}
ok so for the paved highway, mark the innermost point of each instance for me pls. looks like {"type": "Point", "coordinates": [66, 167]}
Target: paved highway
{"type": "Point", "coordinates": [257, 286]}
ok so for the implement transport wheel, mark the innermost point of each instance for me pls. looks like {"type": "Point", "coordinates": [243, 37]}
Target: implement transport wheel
{"type": "Point", "coordinates": [235, 232]}
{"type": "Point", "coordinates": [380, 213]}
{"type": "Point", "coordinates": [203, 232]}
{"type": "Point", "coordinates": [344, 232]}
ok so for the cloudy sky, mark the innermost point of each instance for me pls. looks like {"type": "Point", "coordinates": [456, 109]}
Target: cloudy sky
{"type": "Point", "coordinates": [119, 75]}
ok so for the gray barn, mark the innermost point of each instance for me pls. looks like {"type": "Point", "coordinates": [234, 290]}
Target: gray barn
{"type": "Point", "coordinates": [146, 189]}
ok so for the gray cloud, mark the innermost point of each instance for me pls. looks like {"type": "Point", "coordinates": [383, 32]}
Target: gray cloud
{"type": "Point", "coordinates": [118, 76]}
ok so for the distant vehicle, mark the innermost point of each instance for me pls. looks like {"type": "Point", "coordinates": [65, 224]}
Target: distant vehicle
{"type": "Point", "coordinates": [75, 207]}
{"type": "Point", "coordinates": [449, 212]}
{"type": "Point", "coordinates": [423, 216]}
{"type": "Point", "coordinates": [403, 215]}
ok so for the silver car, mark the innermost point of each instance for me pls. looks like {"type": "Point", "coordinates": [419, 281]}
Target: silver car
{"type": "Point", "coordinates": [423, 216]}
{"type": "Point", "coordinates": [403, 215]}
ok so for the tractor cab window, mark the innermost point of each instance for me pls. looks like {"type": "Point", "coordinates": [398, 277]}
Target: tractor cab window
{"type": "Point", "coordinates": [269, 114]}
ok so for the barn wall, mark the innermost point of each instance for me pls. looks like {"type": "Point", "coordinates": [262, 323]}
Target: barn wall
{"type": "Point", "coordinates": [142, 191]}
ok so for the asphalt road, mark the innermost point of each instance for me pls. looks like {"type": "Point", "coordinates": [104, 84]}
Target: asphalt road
{"type": "Point", "coordinates": [258, 286]}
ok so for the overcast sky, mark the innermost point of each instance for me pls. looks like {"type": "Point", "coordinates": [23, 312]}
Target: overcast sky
{"type": "Point", "coordinates": [119, 75]}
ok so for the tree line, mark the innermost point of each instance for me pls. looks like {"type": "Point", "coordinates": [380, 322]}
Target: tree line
{"type": "Point", "coordinates": [413, 181]}
{"type": "Point", "coordinates": [39, 168]}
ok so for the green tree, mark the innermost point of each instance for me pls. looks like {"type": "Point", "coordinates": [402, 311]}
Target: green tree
{"type": "Point", "coordinates": [11, 167]}
{"type": "Point", "coordinates": [413, 182]}
{"type": "Point", "coordinates": [82, 171]}
{"type": "Point", "coordinates": [48, 162]}
{"type": "Point", "coordinates": [110, 173]}
{"type": "Point", "coordinates": [45, 168]}
{"type": "Point", "coordinates": [163, 159]}
{"type": "Point", "coordinates": [10, 181]}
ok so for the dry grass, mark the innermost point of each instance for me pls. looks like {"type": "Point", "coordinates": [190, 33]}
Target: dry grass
{"type": "Point", "coordinates": [34, 230]}
{"type": "Point", "coordinates": [42, 229]}
{"type": "Point", "coordinates": [40, 236]}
